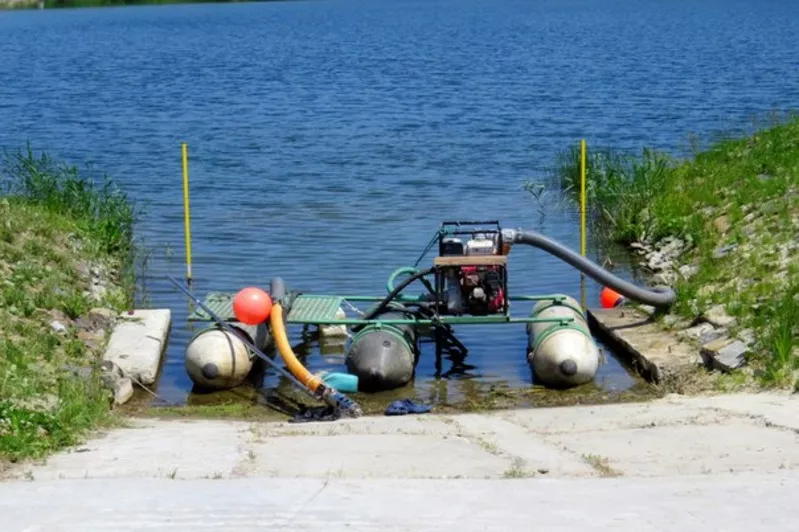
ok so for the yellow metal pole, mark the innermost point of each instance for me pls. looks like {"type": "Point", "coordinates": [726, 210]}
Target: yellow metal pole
{"type": "Point", "coordinates": [186, 216]}
{"type": "Point", "coordinates": [582, 216]}
{"type": "Point", "coordinates": [582, 197]}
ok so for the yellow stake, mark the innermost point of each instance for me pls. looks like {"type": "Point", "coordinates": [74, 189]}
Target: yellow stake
{"type": "Point", "coordinates": [186, 211]}
{"type": "Point", "coordinates": [582, 216]}
{"type": "Point", "coordinates": [582, 197]}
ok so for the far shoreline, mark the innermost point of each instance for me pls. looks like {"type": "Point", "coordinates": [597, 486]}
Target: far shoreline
{"type": "Point", "coordinates": [28, 5]}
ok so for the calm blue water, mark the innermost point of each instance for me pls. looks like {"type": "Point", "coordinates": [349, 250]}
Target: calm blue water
{"type": "Point", "coordinates": [328, 139]}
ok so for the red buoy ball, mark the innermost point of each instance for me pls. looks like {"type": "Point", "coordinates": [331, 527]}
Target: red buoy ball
{"type": "Point", "coordinates": [610, 298]}
{"type": "Point", "coordinates": [252, 306]}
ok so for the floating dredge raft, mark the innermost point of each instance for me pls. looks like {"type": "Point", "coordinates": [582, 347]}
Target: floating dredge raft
{"type": "Point", "coordinates": [467, 284]}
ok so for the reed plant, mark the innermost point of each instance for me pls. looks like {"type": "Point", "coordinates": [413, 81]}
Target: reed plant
{"type": "Point", "coordinates": [734, 206]}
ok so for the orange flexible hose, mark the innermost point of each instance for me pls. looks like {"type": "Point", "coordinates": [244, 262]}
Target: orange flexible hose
{"type": "Point", "coordinates": [284, 347]}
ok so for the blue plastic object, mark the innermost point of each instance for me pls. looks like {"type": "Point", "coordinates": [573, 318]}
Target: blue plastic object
{"type": "Point", "coordinates": [343, 382]}
{"type": "Point", "coordinates": [406, 406]}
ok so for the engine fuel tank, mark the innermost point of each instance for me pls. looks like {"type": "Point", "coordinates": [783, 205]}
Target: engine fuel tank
{"type": "Point", "coordinates": [562, 355]}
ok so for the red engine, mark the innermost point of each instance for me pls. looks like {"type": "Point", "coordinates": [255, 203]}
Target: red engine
{"type": "Point", "coordinates": [481, 289]}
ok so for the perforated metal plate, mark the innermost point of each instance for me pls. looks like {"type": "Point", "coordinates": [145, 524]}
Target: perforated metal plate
{"type": "Point", "coordinates": [314, 309]}
{"type": "Point", "coordinates": [219, 303]}
{"type": "Point", "coordinates": [304, 309]}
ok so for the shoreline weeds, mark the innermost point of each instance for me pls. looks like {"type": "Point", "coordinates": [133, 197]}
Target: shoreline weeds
{"type": "Point", "coordinates": [67, 261]}
{"type": "Point", "coordinates": [722, 229]}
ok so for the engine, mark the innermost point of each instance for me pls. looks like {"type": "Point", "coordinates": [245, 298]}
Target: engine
{"type": "Point", "coordinates": [481, 289]}
{"type": "Point", "coordinates": [471, 287]}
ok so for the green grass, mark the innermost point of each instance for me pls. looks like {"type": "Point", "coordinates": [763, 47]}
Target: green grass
{"type": "Point", "coordinates": [779, 328]}
{"type": "Point", "coordinates": [17, 4]}
{"type": "Point", "coordinates": [601, 465]}
{"type": "Point", "coordinates": [739, 194]}
{"type": "Point", "coordinates": [55, 228]}
{"type": "Point", "coordinates": [102, 212]}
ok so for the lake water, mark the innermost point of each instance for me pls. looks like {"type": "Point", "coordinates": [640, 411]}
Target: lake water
{"type": "Point", "coordinates": [328, 139]}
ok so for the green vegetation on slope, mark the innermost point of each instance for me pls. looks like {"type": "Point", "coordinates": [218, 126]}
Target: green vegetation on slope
{"type": "Point", "coordinates": [66, 260]}
{"type": "Point", "coordinates": [731, 218]}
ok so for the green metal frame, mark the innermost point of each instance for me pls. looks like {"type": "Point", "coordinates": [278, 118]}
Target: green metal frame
{"type": "Point", "coordinates": [319, 305]}
{"type": "Point", "coordinates": [319, 309]}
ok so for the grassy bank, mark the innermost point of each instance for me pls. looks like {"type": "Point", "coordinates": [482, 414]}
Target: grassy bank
{"type": "Point", "coordinates": [18, 4]}
{"type": "Point", "coordinates": [66, 260]}
{"type": "Point", "coordinates": [721, 227]}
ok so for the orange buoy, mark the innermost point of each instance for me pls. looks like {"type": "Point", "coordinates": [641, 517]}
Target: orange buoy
{"type": "Point", "coordinates": [252, 305]}
{"type": "Point", "coordinates": [610, 299]}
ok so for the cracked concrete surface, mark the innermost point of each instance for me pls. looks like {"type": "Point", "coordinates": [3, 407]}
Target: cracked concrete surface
{"type": "Point", "coordinates": [602, 450]}
{"type": "Point", "coordinates": [674, 436]}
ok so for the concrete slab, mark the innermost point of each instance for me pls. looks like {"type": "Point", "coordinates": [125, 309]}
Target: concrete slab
{"type": "Point", "coordinates": [774, 409]}
{"type": "Point", "coordinates": [641, 343]}
{"type": "Point", "coordinates": [580, 419]}
{"type": "Point", "coordinates": [427, 424]}
{"type": "Point", "coordinates": [373, 456]}
{"type": "Point", "coordinates": [726, 502]}
{"type": "Point", "coordinates": [671, 437]}
{"type": "Point", "coordinates": [734, 446]}
{"type": "Point", "coordinates": [175, 449]}
{"type": "Point", "coordinates": [138, 341]}
{"type": "Point", "coordinates": [529, 454]}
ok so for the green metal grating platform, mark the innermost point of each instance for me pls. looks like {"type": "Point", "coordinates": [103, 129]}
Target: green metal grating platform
{"type": "Point", "coordinates": [304, 309]}
{"type": "Point", "coordinates": [314, 309]}
{"type": "Point", "coordinates": [219, 303]}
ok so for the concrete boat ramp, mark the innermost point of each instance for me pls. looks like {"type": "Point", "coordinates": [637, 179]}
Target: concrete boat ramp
{"type": "Point", "coordinates": [718, 462]}
{"type": "Point", "coordinates": [728, 462]}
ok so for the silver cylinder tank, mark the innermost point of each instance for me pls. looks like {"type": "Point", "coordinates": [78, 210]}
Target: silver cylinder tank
{"type": "Point", "coordinates": [216, 359]}
{"type": "Point", "coordinates": [384, 356]}
{"type": "Point", "coordinates": [563, 354]}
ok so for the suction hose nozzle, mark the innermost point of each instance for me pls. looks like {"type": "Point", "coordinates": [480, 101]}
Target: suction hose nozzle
{"type": "Point", "coordinates": [343, 404]}
{"type": "Point", "coordinates": [329, 395]}
{"type": "Point", "coordinates": [657, 297]}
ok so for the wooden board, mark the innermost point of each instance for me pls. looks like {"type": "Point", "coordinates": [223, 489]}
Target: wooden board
{"type": "Point", "coordinates": [479, 260]}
